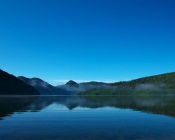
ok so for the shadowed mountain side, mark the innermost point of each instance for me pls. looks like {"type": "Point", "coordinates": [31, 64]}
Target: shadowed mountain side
{"type": "Point", "coordinates": [43, 87]}
{"type": "Point", "coordinates": [10, 85]}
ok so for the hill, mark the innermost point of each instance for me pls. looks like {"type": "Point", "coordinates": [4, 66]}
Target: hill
{"type": "Point", "coordinates": [163, 80]}
{"type": "Point", "coordinates": [10, 85]}
{"type": "Point", "coordinates": [158, 84]}
{"type": "Point", "coordinates": [73, 87]}
{"type": "Point", "coordinates": [43, 87]}
{"type": "Point", "coordinates": [72, 83]}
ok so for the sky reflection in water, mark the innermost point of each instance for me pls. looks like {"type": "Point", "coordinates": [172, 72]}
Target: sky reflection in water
{"type": "Point", "coordinates": [87, 118]}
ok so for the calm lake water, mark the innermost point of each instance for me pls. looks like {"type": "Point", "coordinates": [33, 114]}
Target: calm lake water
{"type": "Point", "coordinates": [87, 118]}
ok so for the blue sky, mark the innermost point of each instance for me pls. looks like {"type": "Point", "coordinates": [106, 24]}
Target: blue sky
{"type": "Point", "coordinates": [83, 40]}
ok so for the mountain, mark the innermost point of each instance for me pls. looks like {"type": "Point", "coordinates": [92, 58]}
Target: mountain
{"type": "Point", "coordinates": [93, 84]}
{"type": "Point", "coordinates": [10, 85]}
{"type": "Point", "coordinates": [166, 80]}
{"type": "Point", "coordinates": [72, 84]}
{"type": "Point", "coordinates": [158, 84]}
{"type": "Point", "coordinates": [74, 87]}
{"type": "Point", "coordinates": [43, 87]}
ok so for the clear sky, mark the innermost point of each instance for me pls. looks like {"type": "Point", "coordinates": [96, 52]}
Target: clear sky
{"type": "Point", "coordinates": [104, 40]}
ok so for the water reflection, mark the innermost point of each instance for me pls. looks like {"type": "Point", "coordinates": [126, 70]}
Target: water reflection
{"type": "Point", "coordinates": [9, 105]}
{"type": "Point", "coordinates": [164, 105]}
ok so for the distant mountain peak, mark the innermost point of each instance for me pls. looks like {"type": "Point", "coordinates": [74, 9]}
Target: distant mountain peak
{"type": "Point", "coordinates": [72, 83]}
{"type": "Point", "coordinates": [38, 79]}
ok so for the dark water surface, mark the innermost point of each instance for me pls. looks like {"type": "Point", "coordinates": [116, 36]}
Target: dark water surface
{"type": "Point", "coordinates": [87, 118]}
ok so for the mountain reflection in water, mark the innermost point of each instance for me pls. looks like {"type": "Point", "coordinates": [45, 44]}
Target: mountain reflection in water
{"type": "Point", "coordinates": [87, 117]}
{"type": "Point", "coordinates": [164, 105]}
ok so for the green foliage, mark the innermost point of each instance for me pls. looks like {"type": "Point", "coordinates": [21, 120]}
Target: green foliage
{"type": "Point", "coordinates": [164, 79]}
{"type": "Point", "coordinates": [161, 84]}
{"type": "Point", "coordinates": [97, 91]}
{"type": "Point", "coordinates": [101, 91]}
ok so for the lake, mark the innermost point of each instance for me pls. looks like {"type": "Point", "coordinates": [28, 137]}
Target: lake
{"type": "Point", "coordinates": [87, 118]}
